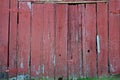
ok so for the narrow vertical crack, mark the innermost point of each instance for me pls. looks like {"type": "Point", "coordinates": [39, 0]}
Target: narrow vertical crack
{"type": "Point", "coordinates": [17, 34]}
{"type": "Point", "coordinates": [81, 25]}
{"type": "Point", "coordinates": [29, 59]}
{"type": "Point", "coordinates": [68, 44]}
{"type": "Point", "coordinates": [9, 7]}
{"type": "Point", "coordinates": [97, 32]}
{"type": "Point", "coordinates": [54, 37]}
{"type": "Point", "coordinates": [108, 40]}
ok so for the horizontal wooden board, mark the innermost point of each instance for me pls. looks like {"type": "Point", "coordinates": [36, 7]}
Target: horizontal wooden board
{"type": "Point", "coordinates": [66, 1]}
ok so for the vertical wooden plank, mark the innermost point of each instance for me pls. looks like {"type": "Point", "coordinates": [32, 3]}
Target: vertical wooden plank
{"type": "Point", "coordinates": [74, 42]}
{"type": "Point", "coordinates": [23, 38]}
{"type": "Point", "coordinates": [48, 41]}
{"type": "Point", "coordinates": [69, 43]}
{"type": "Point", "coordinates": [102, 33]}
{"type": "Point", "coordinates": [61, 40]}
{"type": "Point", "coordinates": [89, 36]}
{"type": "Point", "coordinates": [4, 23]}
{"type": "Point", "coordinates": [91, 40]}
{"type": "Point", "coordinates": [37, 41]}
{"type": "Point", "coordinates": [13, 39]}
{"type": "Point", "coordinates": [114, 36]}
{"type": "Point", "coordinates": [83, 39]}
{"type": "Point", "coordinates": [80, 42]}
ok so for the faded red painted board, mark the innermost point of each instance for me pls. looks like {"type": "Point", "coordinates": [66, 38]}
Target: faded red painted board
{"type": "Point", "coordinates": [89, 36]}
{"type": "Point", "coordinates": [37, 40]}
{"type": "Point", "coordinates": [61, 40]}
{"type": "Point", "coordinates": [13, 39]}
{"type": "Point", "coordinates": [74, 42]}
{"type": "Point", "coordinates": [23, 38]}
{"type": "Point", "coordinates": [114, 36]}
{"type": "Point", "coordinates": [69, 43]}
{"type": "Point", "coordinates": [4, 24]}
{"type": "Point", "coordinates": [48, 40]}
{"type": "Point", "coordinates": [80, 42]}
{"type": "Point", "coordinates": [83, 39]}
{"type": "Point", "coordinates": [102, 28]}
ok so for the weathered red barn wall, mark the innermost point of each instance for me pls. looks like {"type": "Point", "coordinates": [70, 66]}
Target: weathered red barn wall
{"type": "Point", "coordinates": [59, 40]}
{"type": "Point", "coordinates": [4, 23]}
{"type": "Point", "coordinates": [102, 32]}
{"type": "Point", "coordinates": [114, 36]}
{"type": "Point", "coordinates": [13, 39]}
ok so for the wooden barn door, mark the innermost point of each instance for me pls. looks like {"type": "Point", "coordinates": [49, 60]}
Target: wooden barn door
{"type": "Point", "coordinates": [87, 40]}
{"type": "Point", "coordinates": [51, 41]}
{"type": "Point", "coordinates": [95, 39]}
{"type": "Point", "coordinates": [59, 40]}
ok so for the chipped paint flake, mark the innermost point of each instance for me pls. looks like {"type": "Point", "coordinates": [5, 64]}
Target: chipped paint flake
{"type": "Point", "coordinates": [98, 44]}
{"type": "Point", "coordinates": [43, 68]}
{"type": "Point", "coordinates": [54, 60]}
{"type": "Point", "coordinates": [38, 71]}
{"type": "Point", "coordinates": [13, 78]}
{"type": "Point", "coordinates": [21, 65]}
{"type": "Point", "coordinates": [112, 68]}
{"type": "Point", "coordinates": [76, 38]}
{"type": "Point", "coordinates": [20, 77]}
{"type": "Point", "coordinates": [29, 5]}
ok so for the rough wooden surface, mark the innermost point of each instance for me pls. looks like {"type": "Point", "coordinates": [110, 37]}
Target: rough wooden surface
{"type": "Point", "coordinates": [4, 32]}
{"type": "Point", "coordinates": [114, 36]}
{"type": "Point", "coordinates": [59, 40]}
{"type": "Point", "coordinates": [23, 38]}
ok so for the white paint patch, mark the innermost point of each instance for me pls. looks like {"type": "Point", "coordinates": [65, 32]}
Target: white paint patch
{"type": "Point", "coordinates": [38, 71]}
{"type": "Point", "coordinates": [112, 68]}
{"type": "Point", "coordinates": [54, 60]}
{"type": "Point", "coordinates": [43, 68]}
{"type": "Point", "coordinates": [76, 38]}
{"type": "Point", "coordinates": [98, 44]}
{"type": "Point", "coordinates": [13, 78]}
{"type": "Point", "coordinates": [21, 65]}
{"type": "Point", "coordinates": [29, 5]}
{"type": "Point", "coordinates": [20, 77]}
{"type": "Point", "coordinates": [74, 78]}
{"type": "Point", "coordinates": [47, 77]}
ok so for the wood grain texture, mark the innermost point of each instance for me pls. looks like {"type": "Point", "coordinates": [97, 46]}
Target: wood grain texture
{"type": "Point", "coordinates": [48, 40]}
{"type": "Point", "coordinates": [23, 38]}
{"type": "Point", "coordinates": [80, 42]}
{"type": "Point", "coordinates": [83, 39]}
{"type": "Point", "coordinates": [102, 32]}
{"type": "Point", "coordinates": [114, 36]}
{"type": "Point", "coordinates": [37, 40]}
{"type": "Point", "coordinates": [74, 42]}
{"type": "Point", "coordinates": [61, 40]}
{"type": "Point", "coordinates": [13, 39]}
{"type": "Point", "coordinates": [89, 36]}
{"type": "Point", "coordinates": [4, 24]}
